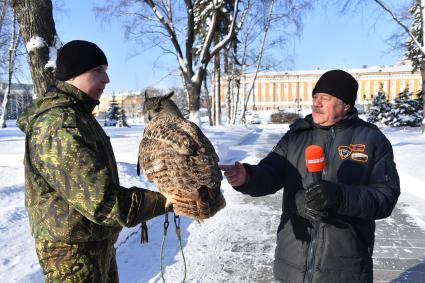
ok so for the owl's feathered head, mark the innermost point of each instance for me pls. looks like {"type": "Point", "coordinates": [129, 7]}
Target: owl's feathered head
{"type": "Point", "coordinates": [159, 106]}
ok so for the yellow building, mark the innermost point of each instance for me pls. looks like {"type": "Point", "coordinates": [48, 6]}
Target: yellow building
{"type": "Point", "coordinates": [292, 89]}
{"type": "Point", "coordinates": [131, 101]}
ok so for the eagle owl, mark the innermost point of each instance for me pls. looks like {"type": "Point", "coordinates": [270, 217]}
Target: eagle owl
{"type": "Point", "coordinates": [180, 160]}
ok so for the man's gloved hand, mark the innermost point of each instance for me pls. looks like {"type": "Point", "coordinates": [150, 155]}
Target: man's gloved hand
{"type": "Point", "coordinates": [307, 212]}
{"type": "Point", "coordinates": [323, 195]}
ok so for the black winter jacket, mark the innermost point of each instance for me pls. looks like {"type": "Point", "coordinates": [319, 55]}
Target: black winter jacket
{"type": "Point", "coordinates": [360, 159]}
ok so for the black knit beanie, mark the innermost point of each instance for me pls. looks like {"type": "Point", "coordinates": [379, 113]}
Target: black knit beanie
{"type": "Point", "coordinates": [77, 57]}
{"type": "Point", "coordinates": [338, 83]}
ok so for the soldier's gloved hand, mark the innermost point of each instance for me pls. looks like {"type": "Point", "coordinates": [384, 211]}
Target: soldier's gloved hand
{"type": "Point", "coordinates": [323, 195]}
{"type": "Point", "coordinates": [152, 204]}
{"type": "Point", "coordinates": [305, 211]}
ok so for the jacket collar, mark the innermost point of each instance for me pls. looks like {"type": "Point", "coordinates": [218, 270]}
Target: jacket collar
{"type": "Point", "coordinates": [60, 93]}
{"type": "Point", "coordinates": [81, 98]}
{"type": "Point", "coordinates": [307, 122]}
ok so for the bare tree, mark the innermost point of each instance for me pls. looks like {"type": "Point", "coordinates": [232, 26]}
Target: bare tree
{"type": "Point", "coordinates": [413, 27]}
{"type": "Point", "coordinates": [267, 25]}
{"type": "Point", "coordinates": [170, 25]}
{"type": "Point", "coordinates": [259, 57]}
{"type": "Point", "coordinates": [38, 30]}
{"type": "Point", "coordinates": [11, 63]}
{"type": "Point", "coordinates": [5, 36]}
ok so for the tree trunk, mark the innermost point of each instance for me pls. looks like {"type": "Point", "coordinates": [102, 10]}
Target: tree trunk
{"type": "Point", "coordinates": [228, 96]}
{"type": "Point", "coordinates": [207, 100]}
{"type": "Point", "coordinates": [36, 22]}
{"type": "Point", "coordinates": [194, 94]}
{"type": "Point", "coordinates": [422, 68]}
{"type": "Point", "coordinates": [217, 89]}
{"type": "Point", "coordinates": [236, 102]}
{"type": "Point", "coordinates": [423, 96]}
{"type": "Point", "coordinates": [3, 13]}
{"type": "Point", "coordinates": [213, 97]}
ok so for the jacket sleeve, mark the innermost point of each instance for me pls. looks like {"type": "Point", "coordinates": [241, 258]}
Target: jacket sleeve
{"type": "Point", "coordinates": [267, 177]}
{"type": "Point", "coordinates": [80, 175]}
{"type": "Point", "coordinates": [377, 199]}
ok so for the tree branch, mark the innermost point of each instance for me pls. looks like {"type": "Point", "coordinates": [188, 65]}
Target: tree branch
{"type": "Point", "coordinates": [394, 16]}
{"type": "Point", "coordinates": [171, 33]}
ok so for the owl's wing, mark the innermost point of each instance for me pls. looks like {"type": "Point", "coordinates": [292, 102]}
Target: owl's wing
{"type": "Point", "coordinates": [162, 140]}
{"type": "Point", "coordinates": [203, 143]}
{"type": "Point", "coordinates": [170, 134]}
{"type": "Point", "coordinates": [176, 155]}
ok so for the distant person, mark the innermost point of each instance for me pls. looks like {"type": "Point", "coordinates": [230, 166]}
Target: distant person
{"type": "Point", "coordinates": [73, 196]}
{"type": "Point", "coordinates": [327, 227]}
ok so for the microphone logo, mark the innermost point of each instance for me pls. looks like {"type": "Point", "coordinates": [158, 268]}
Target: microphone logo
{"type": "Point", "coordinates": [315, 161]}
{"type": "Point", "coordinates": [315, 158]}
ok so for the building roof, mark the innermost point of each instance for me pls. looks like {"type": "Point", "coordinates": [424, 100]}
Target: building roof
{"type": "Point", "coordinates": [400, 68]}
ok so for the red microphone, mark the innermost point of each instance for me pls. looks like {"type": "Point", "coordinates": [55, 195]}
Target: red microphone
{"type": "Point", "coordinates": [315, 161]}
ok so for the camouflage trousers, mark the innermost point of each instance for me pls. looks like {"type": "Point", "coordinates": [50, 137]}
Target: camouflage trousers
{"type": "Point", "coordinates": [80, 262]}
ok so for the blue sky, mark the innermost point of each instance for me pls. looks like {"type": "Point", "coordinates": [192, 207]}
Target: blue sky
{"type": "Point", "coordinates": [329, 40]}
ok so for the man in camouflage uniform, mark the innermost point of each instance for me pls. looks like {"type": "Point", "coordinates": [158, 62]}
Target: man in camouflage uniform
{"type": "Point", "coordinates": [75, 203]}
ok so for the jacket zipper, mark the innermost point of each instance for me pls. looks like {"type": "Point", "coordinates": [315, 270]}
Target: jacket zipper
{"type": "Point", "coordinates": [311, 255]}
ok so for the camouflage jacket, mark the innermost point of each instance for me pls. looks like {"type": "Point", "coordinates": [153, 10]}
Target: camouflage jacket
{"type": "Point", "coordinates": [72, 190]}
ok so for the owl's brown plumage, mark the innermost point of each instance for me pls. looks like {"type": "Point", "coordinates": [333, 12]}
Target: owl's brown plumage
{"type": "Point", "coordinates": [180, 160]}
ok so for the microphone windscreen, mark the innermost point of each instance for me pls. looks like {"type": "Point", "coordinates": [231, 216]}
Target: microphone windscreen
{"type": "Point", "coordinates": [315, 158]}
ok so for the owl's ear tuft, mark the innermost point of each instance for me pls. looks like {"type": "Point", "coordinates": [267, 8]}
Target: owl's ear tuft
{"type": "Point", "coordinates": [168, 96]}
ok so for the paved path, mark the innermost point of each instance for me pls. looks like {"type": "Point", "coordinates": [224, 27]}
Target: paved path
{"type": "Point", "coordinates": [399, 254]}
{"type": "Point", "coordinates": [399, 249]}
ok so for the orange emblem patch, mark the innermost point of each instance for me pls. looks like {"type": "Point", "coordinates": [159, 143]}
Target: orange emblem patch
{"type": "Point", "coordinates": [344, 151]}
{"type": "Point", "coordinates": [358, 147]}
{"type": "Point", "coordinates": [353, 151]}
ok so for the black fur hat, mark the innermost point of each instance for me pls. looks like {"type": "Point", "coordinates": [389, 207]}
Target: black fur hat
{"type": "Point", "coordinates": [338, 83]}
{"type": "Point", "coordinates": [77, 57]}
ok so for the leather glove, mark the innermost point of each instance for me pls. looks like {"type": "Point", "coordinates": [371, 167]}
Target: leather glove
{"type": "Point", "coordinates": [323, 195]}
{"type": "Point", "coordinates": [307, 212]}
{"type": "Point", "coordinates": [152, 204]}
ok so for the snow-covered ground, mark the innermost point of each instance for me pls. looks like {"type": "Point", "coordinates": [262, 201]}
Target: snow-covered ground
{"type": "Point", "coordinates": [206, 245]}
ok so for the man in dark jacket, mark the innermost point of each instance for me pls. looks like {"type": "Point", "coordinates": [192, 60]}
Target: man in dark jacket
{"type": "Point", "coordinates": [75, 203]}
{"type": "Point", "coordinates": [327, 227]}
